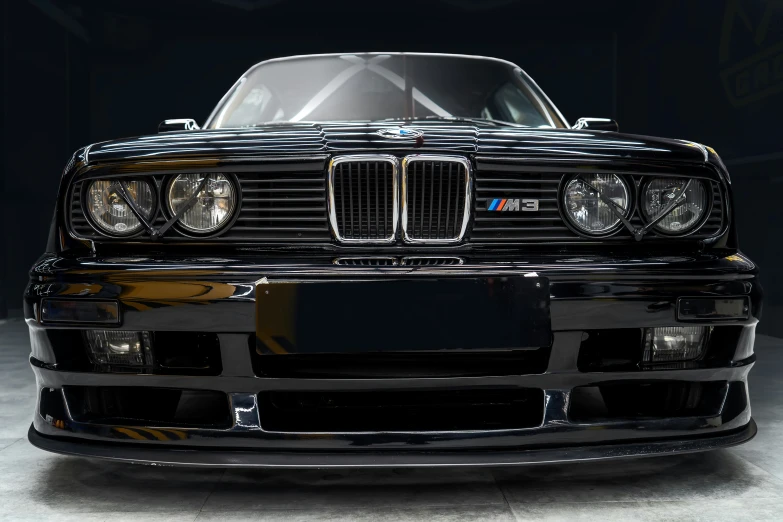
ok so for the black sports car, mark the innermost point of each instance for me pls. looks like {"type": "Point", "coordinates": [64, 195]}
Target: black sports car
{"type": "Point", "coordinates": [391, 259]}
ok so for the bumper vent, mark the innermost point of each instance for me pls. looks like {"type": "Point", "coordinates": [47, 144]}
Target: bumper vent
{"type": "Point", "coordinates": [435, 199]}
{"type": "Point", "coordinates": [432, 261]}
{"type": "Point", "coordinates": [366, 261]}
{"type": "Point", "coordinates": [363, 198]}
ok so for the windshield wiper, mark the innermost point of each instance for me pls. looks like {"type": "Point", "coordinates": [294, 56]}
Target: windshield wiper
{"type": "Point", "coordinates": [638, 232]}
{"type": "Point", "coordinates": [472, 120]}
{"type": "Point", "coordinates": [156, 233]}
{"type": "Point", "coordinates": [459, 118]}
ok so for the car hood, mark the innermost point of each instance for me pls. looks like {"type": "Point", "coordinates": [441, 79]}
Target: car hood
{"type": "Point", "coordinates": [437, 136]}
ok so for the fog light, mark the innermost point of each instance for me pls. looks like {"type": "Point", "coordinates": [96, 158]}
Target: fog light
{"type": "Point", "coordinates": [120, 348]}
{"type": "Point", "coordinates": [674, 343]}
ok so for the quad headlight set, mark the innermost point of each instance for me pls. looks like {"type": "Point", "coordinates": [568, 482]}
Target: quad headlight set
{"type": "Point", "coordinates": [594, 203]}
{"type": "Point", "coordinates": [202, 203]}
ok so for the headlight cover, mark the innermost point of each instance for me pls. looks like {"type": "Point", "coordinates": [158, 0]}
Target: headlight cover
{"type": "Point", "coordinates": [674, 343]}
{"type": "Point", "coordinates": [120, 347]}
{"type": "Point", "coordinates": [585, 209]}
{"type": "Point", "coordinates": [214, 205]}
{"type": "Point", "coordinates": [659, 192]}
{"type": "Point", "coordinates": [109, 211]}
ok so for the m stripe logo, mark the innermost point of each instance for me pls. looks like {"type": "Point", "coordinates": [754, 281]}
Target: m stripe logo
{"type": "Point", "coordinates": [512, 205]}
{"type": "Point", "coordinates": [497, 205]}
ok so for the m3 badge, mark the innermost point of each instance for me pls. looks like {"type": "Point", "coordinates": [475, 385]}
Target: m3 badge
{"type": "Point", "coordinates": [512, 205]}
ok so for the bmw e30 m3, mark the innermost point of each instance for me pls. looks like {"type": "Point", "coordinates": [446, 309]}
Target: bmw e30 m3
{"type": "Point", "coordinates": [391, 259]}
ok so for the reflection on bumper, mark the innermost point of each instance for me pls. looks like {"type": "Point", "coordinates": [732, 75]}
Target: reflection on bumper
{"type": "Point", "coordinates": [221, 300]}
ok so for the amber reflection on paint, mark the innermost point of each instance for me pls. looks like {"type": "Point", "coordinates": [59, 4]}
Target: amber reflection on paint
{"type": "Point", "coordinates": [276, 317]}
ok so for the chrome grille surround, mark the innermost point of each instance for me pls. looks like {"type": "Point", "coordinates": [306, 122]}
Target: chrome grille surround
{"type": "Point", "coordinates": [462, 197]}
{"type": "Point", "coordinates": [335, 170]}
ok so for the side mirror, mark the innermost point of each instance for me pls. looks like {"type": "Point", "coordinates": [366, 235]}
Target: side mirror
{"type": "Point", "coordinates": [601, 124]}
{"type": "Point", "coordinates": [181, 124]}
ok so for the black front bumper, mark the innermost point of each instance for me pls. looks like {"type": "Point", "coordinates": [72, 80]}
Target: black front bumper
{"type": "Point", "coordinates": [228, 458]}
{"type": "Point", "coordinates": [218, 296]}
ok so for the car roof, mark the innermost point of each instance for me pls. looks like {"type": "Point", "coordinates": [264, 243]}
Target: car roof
{"type": "Point", "coordinates": [395, 53]}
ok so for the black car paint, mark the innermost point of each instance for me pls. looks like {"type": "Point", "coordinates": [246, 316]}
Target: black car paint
{"type": "Point", "coordinates": [545, 149]}
{"type": "Point", "coordinates": [214, 287]}
{"type": "Point", "coordinates": [458, 136]}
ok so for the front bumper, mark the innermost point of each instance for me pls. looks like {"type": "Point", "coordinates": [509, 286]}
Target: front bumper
{"type": "Point", "coordinates": [218, 295]}
{"type": "Point", "coordinates": [227, 458]}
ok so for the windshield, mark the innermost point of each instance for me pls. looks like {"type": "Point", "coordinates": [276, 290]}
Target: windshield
{"type": "Point", "coordinates": [372, 87]}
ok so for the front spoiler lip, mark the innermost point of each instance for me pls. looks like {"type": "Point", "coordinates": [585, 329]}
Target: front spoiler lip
{"type": "Point", "coordinates": [227, 458]}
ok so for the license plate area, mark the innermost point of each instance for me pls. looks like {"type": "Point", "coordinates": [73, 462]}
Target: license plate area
{"type": "Point", "coordinates": [401, 411]}
{"type": "Point", "coordinates": [425, 315]}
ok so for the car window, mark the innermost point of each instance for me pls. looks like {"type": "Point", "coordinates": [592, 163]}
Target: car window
{"type": "Point", "coordinates": [381, 87]}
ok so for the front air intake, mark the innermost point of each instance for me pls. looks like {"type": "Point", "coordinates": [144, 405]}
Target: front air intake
{"type": "Point", "coordinates": [363, 198]}
{"type": "Point", "coordinates": [435, 198]}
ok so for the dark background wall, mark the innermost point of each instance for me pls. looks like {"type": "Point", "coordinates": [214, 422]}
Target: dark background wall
{"type": "Point", "coordinates": [79, 71]}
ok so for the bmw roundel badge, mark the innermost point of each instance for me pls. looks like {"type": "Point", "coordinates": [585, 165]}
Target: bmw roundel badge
{"type": "Point", "coordinates": [399, 133]}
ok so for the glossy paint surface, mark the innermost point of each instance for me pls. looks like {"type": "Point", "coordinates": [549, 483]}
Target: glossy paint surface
{"type": "Point", "coordinates": [219, 295]}
{"type": "Point", "coordinates": [484, 144]}
{"type": "Point", "coordinates": [203, 287]}
{"type": "Point", "coordinates": [438, 136]}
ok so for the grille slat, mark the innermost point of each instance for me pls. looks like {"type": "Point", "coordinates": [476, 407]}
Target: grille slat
{"type": "Point", "coordinates": [448, 200]}
{"type": "Point", "coordinates": [350, 198]}
{"type": "Point", "coordinates": [363, 187]}
{"type": "Point", "coordinates": [275, 218]}
{"type": "Point", "coordinates": [283, 199]}
{"type": "Point", "coordinates": [282, 227]}
{"type": "Point", "coordinates": [319, 209]}
{"type": "Point", "coordinates": [432, 214]}
{"type": "Point", "coordinates": [275, 190]}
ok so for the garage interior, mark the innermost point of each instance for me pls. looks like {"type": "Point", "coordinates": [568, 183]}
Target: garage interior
{"type": "Point", "coordinates": [78, 72]}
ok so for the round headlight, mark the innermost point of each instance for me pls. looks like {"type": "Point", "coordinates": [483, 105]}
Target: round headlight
{"type": "Point", "coordinates": [214, 204]}
{"type": "Point", "coordinates": [587, 211]}
{"type": "Point", "coordinates": [659, 192]}
{"type": "Point", "coordinates": [110, 213]}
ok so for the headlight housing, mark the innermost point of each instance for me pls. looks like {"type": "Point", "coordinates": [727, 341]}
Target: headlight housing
{"type": "Point", "coordinates": [586, 211]}
{"type": "Point", "coordinates": [657, 194]}
{"type": "Point", "coordinates": [214, 206]}
{"type": "Point", "coordinates": [110, 213]}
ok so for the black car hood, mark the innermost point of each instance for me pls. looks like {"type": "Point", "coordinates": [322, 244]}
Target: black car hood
{"type": "Point", "coordinates": [437, 136]}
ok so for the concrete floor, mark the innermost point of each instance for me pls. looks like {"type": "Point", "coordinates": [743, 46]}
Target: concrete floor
{"type": "Point", "coordinates": [739, 483]}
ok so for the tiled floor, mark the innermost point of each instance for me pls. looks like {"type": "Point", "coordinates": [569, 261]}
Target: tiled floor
{"type": "Point", "coordinates": [741, 483]}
